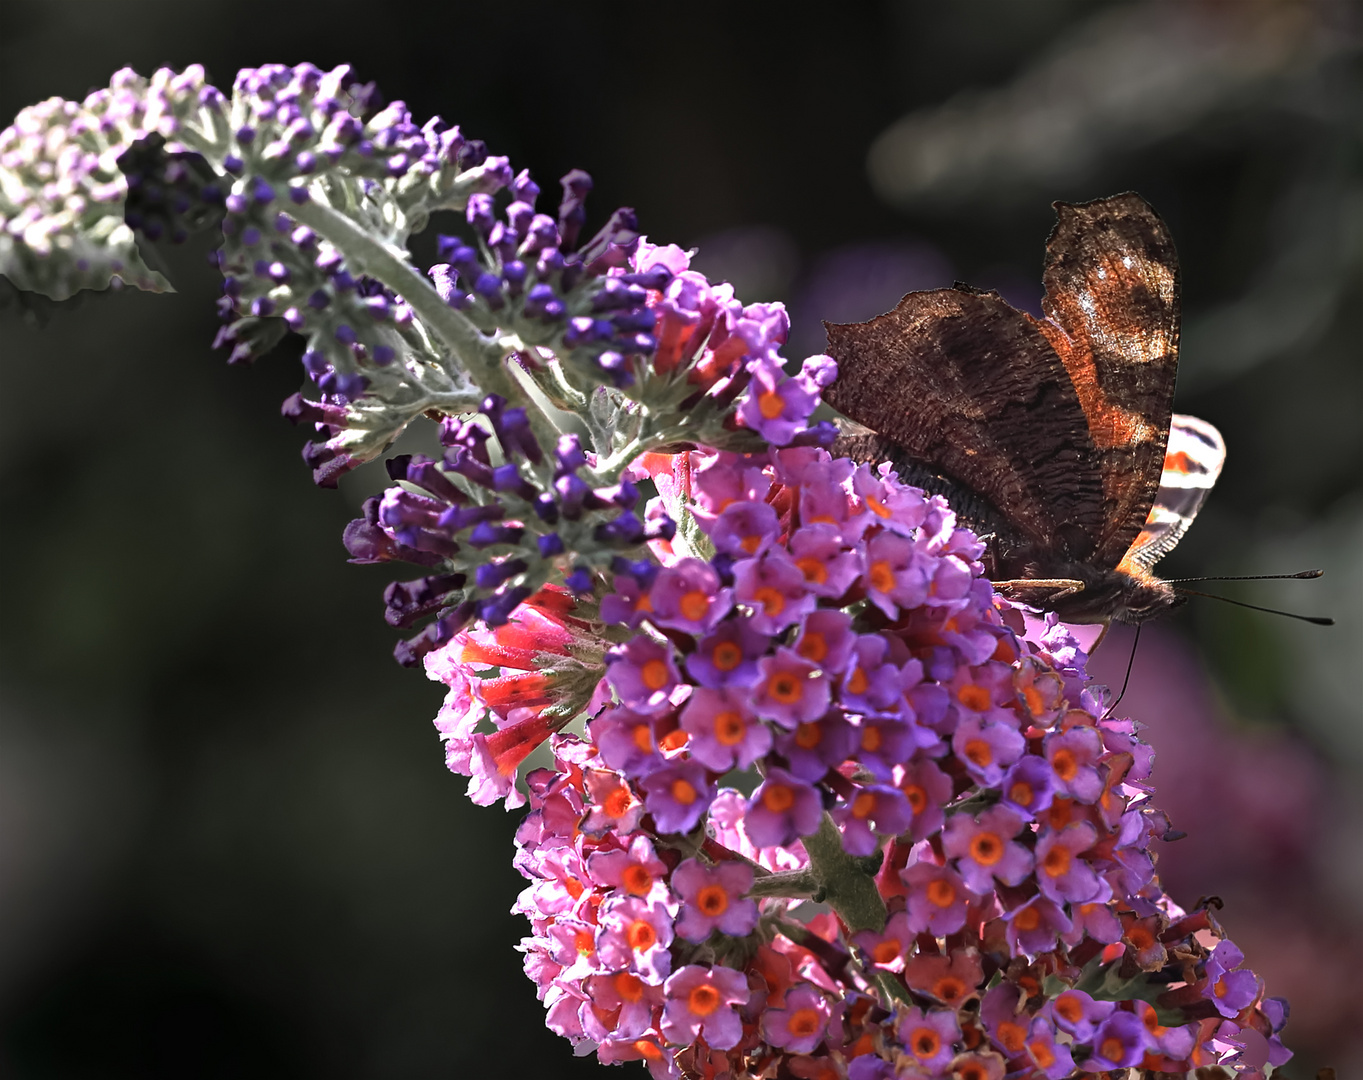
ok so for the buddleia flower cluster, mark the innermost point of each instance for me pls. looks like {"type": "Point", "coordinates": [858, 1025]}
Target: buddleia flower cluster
{"type": "Point", "coordinates": [814, 801]}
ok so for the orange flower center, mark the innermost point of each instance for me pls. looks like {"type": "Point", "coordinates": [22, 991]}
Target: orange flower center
{"type": "Point", "coordinates": [948, 989]}
{"type": "Point", "coordinates": [979, 752]}
{"type": "Point", "coordinates": [617, 802]}
{"type": "Point", "coordinates": [773, 601]}
{"type": "Point", "coordinates": [1057, 861]}
{"type": "Point", "coordinates": [729, 728]}
{"type": "Point", "coordinates": [884, 952]}
{"type": "Point", "coordinates": [643, 738]}
{"type": "Point", "coordinates": [858, 683]}
{"type": "Point", "coordinates": [641, 935]}
{"type": "Point", "coordinates": [1013, 1036]}
{"type": "Point", "coordinates": [803, 1022]}
{"type": "Point", "coordinates": [785, 688]}
{"type": "Point", "coordinates": [1042, 1053]}
{"type": "Point", "coordinates": [771, 404]}
{"type": "Point", "coordinates": [713, 900]}
{"type": "Point", "coordinates": [1064, 764]}
{"type": "Point", "coordinates": [1071, 1009]}
{"type": "Point", "coordinates": [1027, 919]}
{"type": "Point", "coordinates": [882, 576]}
{"type": "Point", "coordinates": [942, 892]}
{"type": "Point", "coordinates": [683, 791]}
{"type": "Point", "coordinates": [870, 739]}
{"type": "Point", "coordinates": [813, 647]}
{"type": "Point", "coordinates": [813, 569]}
{"type": "Point", "coordinates": [1021, 793]}
{"type": "Point", "coordinates": [808, 736]}
{"type": "Point", "coordinates": [925, 1043]}
{"type": "Point", "coordinates": [877, 507]}
{"type": "Point", "coordinates": [863, 806]}
{"type": "Point", "coordinates": [654, 674]}
{"type": "Point", "coordinates": [629, 986]}
{"type": "Point", "coordinates": [1111, 1049]}
{"type": "Point", "coordinates": [917, 796]}
{"type": "Point", "coordinates": [694, 605]}
{"type": "Point", "coordinates": [703, 1000]}
{"type": "Point", "coordinates": [986, 848]}
{"type": "Point", "coordinates": [975, 698]}
{"type": "Point", "coordinates": [585, 942]}
{"type": "Point", "coordinates": [778, 798]}
{"type": "Point", "coordinates": [637, 880]}
{"type": "Point", "coordinates": [726, 656]}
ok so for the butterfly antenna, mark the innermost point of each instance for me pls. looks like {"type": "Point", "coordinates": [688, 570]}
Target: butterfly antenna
{"type": "Point", "coordinates": [1130, 661]}
{"type": "Point", "coordinates": [1316, 620]}
{"type": "Point", "coordinates": [1251, 577]}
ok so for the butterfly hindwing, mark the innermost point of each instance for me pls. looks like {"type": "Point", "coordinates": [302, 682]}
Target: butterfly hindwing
{"type": "Point", "coordinates": [1192, 462]}
{"type": "Point", "coordinates": [969, 387]}
{"type": "Point", "coordinates": [1112, 316]}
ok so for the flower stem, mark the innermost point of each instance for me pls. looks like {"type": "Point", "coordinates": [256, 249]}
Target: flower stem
{"type": "Point", "coordinates": [848, 888]}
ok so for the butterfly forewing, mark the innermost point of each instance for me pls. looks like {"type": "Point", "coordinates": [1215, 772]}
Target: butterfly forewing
{"type": "Point", "coordinates": [1112, 316]}
{"type": "Point", "coordinates": [965, 384]}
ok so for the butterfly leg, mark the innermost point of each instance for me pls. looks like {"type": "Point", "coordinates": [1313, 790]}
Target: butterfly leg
{"type": "Point", "coordinates": [1061, 586]}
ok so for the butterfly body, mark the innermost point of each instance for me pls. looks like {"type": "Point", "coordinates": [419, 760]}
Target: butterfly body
{"type": "Point", "coordinates": [1047, 436]}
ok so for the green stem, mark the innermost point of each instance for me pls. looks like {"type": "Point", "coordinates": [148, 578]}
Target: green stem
{"type": "Point", "coordinates": [847, 887]}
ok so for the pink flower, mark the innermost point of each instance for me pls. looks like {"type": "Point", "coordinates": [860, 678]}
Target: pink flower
{"type": "Point", "coordinates": [714, 898]}
{"type": "Point", "coordinates": [799, 1026]}
{"type": "Point", "coordinates": [700, 1001]}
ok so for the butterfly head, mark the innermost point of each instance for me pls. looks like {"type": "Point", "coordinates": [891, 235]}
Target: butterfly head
{"type": "Point", "coordinates": [1117, 594]}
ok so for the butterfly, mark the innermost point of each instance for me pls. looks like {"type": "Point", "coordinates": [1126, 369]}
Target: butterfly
{"type": "Point", "coordinates": [1053, 438]}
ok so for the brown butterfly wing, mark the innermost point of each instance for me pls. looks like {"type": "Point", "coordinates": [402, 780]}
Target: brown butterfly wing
{"type": "Point", "coordinates": [970, 387]}
{"type": "Point", "coordinates": [1112, 316]}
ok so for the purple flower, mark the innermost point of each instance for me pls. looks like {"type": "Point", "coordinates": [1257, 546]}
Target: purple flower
{"type": "Point", "coordinates": [928, 789]}
{"type": "Point", "coordinates": [790, 690]}
{"type": "Point", "coordinates": [987, 748]}
{"type": "Point", "coordinates": [1073, 756]}
{"type": "Point", "coordinates": [815, 746]}
{"type": "Point", "coordinates": [895, 506]}
{"type": "Point", "coordinates": [1035, 927]}
{"type": "Point", "coordinates": [799, 1026]}
{"type": "Point", "coordinates": [1079, 1015]}
{"type": "Point", "coordinates": [701, 1000]}
{"type": "Point", "coordinates": [1095, 918]}
{"type": "Point", "coordinates": [877, 807]}
{"type": "Point", "coordinates": [929, 1037]}
{"type": "Point", "coordinates": [1120, 1042]}
{"type": "Point", "coordinates": [745, 529]}
{"type": "Point", "coordinates": [826, 638]}
{"type": "Point", "coordinates": [774, 588]}
{"type": "Point", "coordinates": [937, 897]}
{"type": "Point", "coordinates": [777, 407]}
{"type": "Point", "coordinates": [1052, 1058]}
{"type": "Point", "coordinates": [687, 596]}
{"type": "Point", "coordinates": [897, 573]}
{"type": "Point", "coordinates": [882, 744]}
{"type": "Point", "coordinates": [1229, 990]}
{"type": "Point", "coordinates": [1026, 786]}
{"type": "Point", "coordinates": [724, 733]}
{"type": "Point", "coordinates": [872, 684]}
{"type": "Point", "coordinates": [628, 993]}
{"type": "Point", "coordinates": [1060, 873]}
{"type": "Point", "coordinates": [677, 796]}
{"type": "Point", "coordinates": [635, 870]}
{"type": "Point", "coordinates": [633, 935]}
{"type": "Point", "coordinates": [628, 604]}
{"type": "Point", "coordinates": [781, 810]}
{"type": "Point", "coordinates": [714, 898]}
{"type": "Point", "coordinates": [642, 673]}
{"type": "Point", "coordinates": [828, 567]}
{"type": "Point", "coordinates": [889, 948]}
{"type": "Point", "coordinates": [626, 740]}
{"type": "Point", "coordinates": [728, 656]}
{"type": "Point", "coordinates": [984, 848]}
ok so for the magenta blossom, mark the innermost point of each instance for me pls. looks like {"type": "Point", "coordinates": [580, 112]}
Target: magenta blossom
{"type": "Point", "coordinates": [700, 1001]}
{"type": "Point", "coordinates": [714, 898]}
{"type": "Point", "coordinates": [782, 809]}
{"type": "Point", "coordinates": [642, 673]}
{"type": "Point", "coordinates": [877, 808]}
{"type": "Point", "coordinates": [1073, 756]}
{"type": "Point", "coordinates": [687, 596]}
{"type": "Point", "coordinates": [723, 732]}
{"type": "Point", "coordinates": [773, 587]}
{"type": "Point", "coordinates": [829, 568]}
{"type": "Point", "coordinates": [633, 935]}
{"type": "Point", "coordinates": [1036, 926]}
{"type": "Point", "coordinates": [1120, 1042]}
{"type": "Point", "coordinates": [938, 898]}
{"type": "Point", "coordinates": [745, 529]}
{"type": "Point", "coordinates": [678, 795]}
{"type": "Point", "coordinates": [790, 690]}
{"type": "Point", "coordinates": [1051, 1057]}
{"type": "Point", "coordinates": [929, 1037]}
{"type": "Point", "coordinates": [1060, 873]}
{"type": "Point", "coordinates": [897, 574]}
{"type": "Point", "coordinates": [799, 1026]}
{"type": "Point", "coordinates": [729, 655]}
{"type": "Point", "coordinates": [984, 848]}
{"type": "Point", "coordinates": [1229, 990]}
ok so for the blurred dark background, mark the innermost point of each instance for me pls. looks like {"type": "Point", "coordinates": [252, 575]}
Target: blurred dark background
{"type": "Point", "coordinates": [228, 844]}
